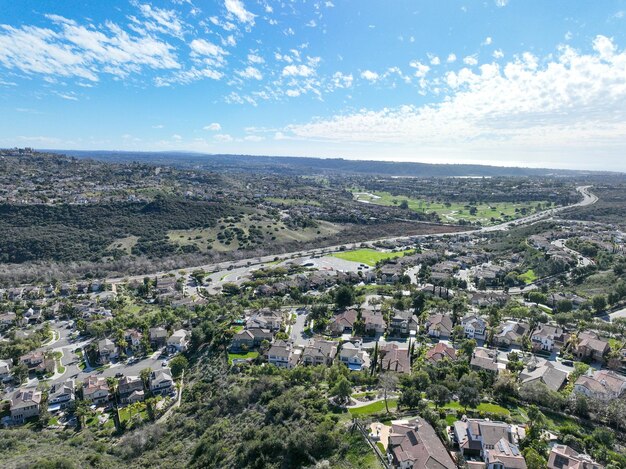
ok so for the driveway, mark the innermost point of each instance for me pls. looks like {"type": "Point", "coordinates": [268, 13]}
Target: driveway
{"type": "Point", "coordinates": [297, 330]}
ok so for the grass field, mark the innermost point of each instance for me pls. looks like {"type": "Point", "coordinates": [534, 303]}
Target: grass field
{"type": "Point", "coordinates": [453, 212]}
{"type": "Point", "coordinates": [529, 276]}
{"type": "Point", "coordinates": [206, 239]}
{"type": "Point", "coordinates": [373, 408]}
{"type": "Point", "coordinates": [234, 356]}
{"type": "Point", "coordinates": [369, 256]}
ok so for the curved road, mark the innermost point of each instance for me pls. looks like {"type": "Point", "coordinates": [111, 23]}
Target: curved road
{"type": "Point", "coordinates": [234, 270]}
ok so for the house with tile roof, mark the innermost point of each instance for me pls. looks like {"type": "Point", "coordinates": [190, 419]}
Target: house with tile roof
{"type": "Point", "coordinates": [415, 445]}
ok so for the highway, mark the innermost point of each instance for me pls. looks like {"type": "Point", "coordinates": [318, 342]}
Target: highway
{"type": "Point", "coordinates": [232, 271]}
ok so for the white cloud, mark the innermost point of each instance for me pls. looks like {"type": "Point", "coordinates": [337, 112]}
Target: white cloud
{"type": "Point", "coordinates": [204, 47]}
{"type": "Point", "coordinates": [250, 72]}
{"type": "Point", "coordinates": [292, 93]}
{"type": "Point", "coordinates": [161, 20]}
{"type": "Point", "coordinates": [311, 24]}
{"type": "Point", "coordinates": [298, 70]}
{"type": "Point", "coordinates": [229, 41]}
{"type": "Point", "coordinates": [488, 41]}
{"type": "Point", "coordinates": [223, 138]}
{"type": "Point", "coordinates": [571, 102]}
{"type": "Point", "coordinates": [420, 69]}
{"type": "Point", "coordinates": [470, 60]}
{"type": "Point", "coordinates": [238, 10]}
{"type": "Point", "coordinates": [255, 59]}
{"type": "Point", "coordinates": [498, 54]}
{"type": "Point", "coordinates": [189, 76]}
{"type": "Point", "coordinates": [451, 58]}
{"type": "Point", "coordinates": [370, 76]}
{"type": "Point", "coordinates": [213, 127]}
{"type": "Point", "coordinates": [434, 60]}
{"type": "Point", "coordinates": [254, 138]}
{"type": "Point", "coordinates": [501, 3]}
{"type": "Point", "coordinates": [158, 126]}
{"type": "Point", "coordinates": [72, 50]}
{"type": "Point", "coordinates": [177, 137]}
{"type": "Point", "coordinates": [341, 80]}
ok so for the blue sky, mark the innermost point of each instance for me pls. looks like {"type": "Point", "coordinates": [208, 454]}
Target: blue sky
{"type": "Point", "coordinates": [517, 82]}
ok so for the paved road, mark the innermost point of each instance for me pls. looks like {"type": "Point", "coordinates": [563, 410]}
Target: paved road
{"type": "Point", "coordinates": [220, 272]}
{"type": "Point", "coordinates": [582, 260]}
{"type": "Point", "coordinates": [297, 330]}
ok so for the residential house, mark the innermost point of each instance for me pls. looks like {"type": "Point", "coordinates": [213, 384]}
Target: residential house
{"type": "Point", "coordinates": [504, 455]}
{"type": "Point", "coordinates": [37, 362]}
{"type": "Point", "coordinates": [8, 319]}
{"type": "Point", "coordinates": [343, 323]}
{"type": "Point", "coordinates": [250, 338]}
{"type": "Point", "coordinates": [24, 404]}
{"type": "Point", "coordinates": [546, 337]}
{"type": "Point", "coordinates": [483, 299]}
{"type": "Point", "coordinates": [354, 357]}
{"type": "Point", "coordinates": [564, 457]}
{"type": "Point", "coordinates": [511, 333]}
{"type": "Point", "coordinates": [415, 445]}
{"type": "Point", "coordinates": [395, 359]}
{"type": "Point", "coordinates": [543, 371]}
{"type": "Point", "coordinates": [265, 319]}
{"type": "Point", "coordinates": [402, 323]}
{"type": "Point", "coordinates": [390, 274]}
{"type": "Point", "coordinates": [484, 359]}
{"type": "Point", "coordinates": [158, 337]}
{"type": "Point", "coordinates": [374, 322]}
{"type": "Point", "coordinates": [177, 342]}
{"type": "Point", "coordinates": [107, 350]}
{"type": "Point", "coordinates": [603, 384]}
{"type": "Point", "coordinates": [439, 325]}
{"type": "Point", "coordinates": [591, 347]}
{"type": "Point", "coordinates": [161, 382]}
{"type": "Point", "coordinates": [96, 389]}
{"type": "Point", "coordinates": [283, 354]}
{"type": "Point", "coordinates": [496, 443]}
{"type": "Point", "coordinates": [129, 389]}
{"type": "Point", "coordinates": [32, 360]}
{"type": "Point", "coordinates": [133, 338]}
{"type": "Point", "coordinates": [319, 352]}
{"type": "Point", "coordinates": [61, 395]}
{"type": "Point", "coordinates": [5, 370]}
{"type": "Point", "coordinates": [440, 351]}
{"type": "Point", "coordinates": [474, 326]}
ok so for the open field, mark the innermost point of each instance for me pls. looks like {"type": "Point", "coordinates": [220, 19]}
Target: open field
{"type": "Point", "coordinates": [453, 212]}
{"type": "Point", "coordinates": [292, 201]}
{"type": "Point", "coordinates": [248, 230]}
{"type": "Point", "coordinates": [241, 356]}
{"type": "Point", "coordinates": [373, 408]}
{"type": "Point", "coordinates": [369, 256]}
{"type": "Point", "coordinates": [529, 276]}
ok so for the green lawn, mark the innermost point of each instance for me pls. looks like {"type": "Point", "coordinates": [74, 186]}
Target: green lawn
{"type": "Point", "coordinates": [373, 408]}
{"type": "Point", "coordinates": [482, 407]}
{"type": "Point", "coordinates": [233, 356]}
{"type": "Point", "coordinates": [454, 211]}
{"type": "Point", "coordinates": [529, 276]}
{"type": "Point", "coordinates": [369, 256]}
{"type": "Point", "coordinates": [126, 413]}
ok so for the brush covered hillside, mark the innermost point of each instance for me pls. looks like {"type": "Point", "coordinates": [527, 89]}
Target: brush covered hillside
{"type": "Point", "coordinates": [94, 217]}
{"type": "Point", "coordinates": [316, 166]}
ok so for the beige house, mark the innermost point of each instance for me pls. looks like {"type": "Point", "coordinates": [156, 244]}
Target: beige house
{"type": "Point", "coordinates": [25, 404]}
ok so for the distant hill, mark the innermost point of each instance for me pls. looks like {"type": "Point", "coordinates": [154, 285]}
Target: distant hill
{"type": "Point", "coordinates": [307, 165]}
